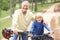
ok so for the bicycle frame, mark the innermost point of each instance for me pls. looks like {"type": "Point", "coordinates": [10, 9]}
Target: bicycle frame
{"type": "Point", "coordinates": [19, 34]}
{"type": "Point", "coordinates": [43, 37]}
{"type": "Point", "coordinates": [9, 31]}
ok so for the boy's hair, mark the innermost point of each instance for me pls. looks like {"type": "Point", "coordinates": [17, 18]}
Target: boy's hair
{"type": "Point", "coordinates": [39, 16]}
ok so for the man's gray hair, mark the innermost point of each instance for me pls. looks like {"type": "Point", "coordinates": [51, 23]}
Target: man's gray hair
{"type": "Point", "coordinates": [24, 3]}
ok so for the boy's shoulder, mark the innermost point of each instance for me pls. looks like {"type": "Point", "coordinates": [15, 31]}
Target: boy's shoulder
{"type": "Point", "coordinates": [16, 13]}
{"type": "Point", "coordinates": [34, 22]}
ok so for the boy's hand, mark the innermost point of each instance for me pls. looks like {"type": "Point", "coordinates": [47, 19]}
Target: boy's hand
{"type": "Point", "coordinates": [51, 32]}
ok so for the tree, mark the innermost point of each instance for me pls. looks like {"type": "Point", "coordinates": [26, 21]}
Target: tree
{"type": "Point", "coordinates": [32, 5]}
{"type": "Point", "coordinates": [4, 5]}
{"type": "Point", "coordinates": [20, 3]}
{"type": "Point", "coordinates": [12, 5]}
{"type": "Point", "coordinates": [1, 6]}
{"type": "Point", "coordinates": [35, 5]}
{"type": "Point", "coordinates": [54, 0]}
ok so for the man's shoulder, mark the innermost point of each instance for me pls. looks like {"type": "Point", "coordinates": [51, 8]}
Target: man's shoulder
{"type": "Point", "coordinates": [29, 11]}
{"type": "Point", "coordinates": [16, 12]}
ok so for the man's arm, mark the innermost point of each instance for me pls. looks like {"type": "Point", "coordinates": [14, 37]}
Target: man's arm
{"type": "Point", "coordinates": [15, 19]}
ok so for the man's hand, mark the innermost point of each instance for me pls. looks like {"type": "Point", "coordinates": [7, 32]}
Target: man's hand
{"type": "Point", "coordinates": [15, 32]}
{"type": "Point", "coordinates": [30, 35]}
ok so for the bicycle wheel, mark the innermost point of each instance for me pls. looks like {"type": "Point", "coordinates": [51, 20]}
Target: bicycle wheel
{"type": "Point", "coordinates": [50, 39]}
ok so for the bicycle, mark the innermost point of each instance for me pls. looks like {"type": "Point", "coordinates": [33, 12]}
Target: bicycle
{"type": "Point", "coordinates": [43, 37]}
{"type": "Point", "coordinates": [7, 34]}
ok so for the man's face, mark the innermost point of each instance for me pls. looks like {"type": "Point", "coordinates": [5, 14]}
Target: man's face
{"type": "Point", "coordinates": [25, 8]}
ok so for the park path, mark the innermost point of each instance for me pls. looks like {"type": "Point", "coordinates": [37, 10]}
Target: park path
{"type": "Point", "coordinates": [4, 18]}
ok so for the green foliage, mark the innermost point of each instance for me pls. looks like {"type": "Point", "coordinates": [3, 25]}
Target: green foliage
{"type": "Point", "coordinates": [4, 4]}
{"type": "Point", "coordinates": [4, 13]}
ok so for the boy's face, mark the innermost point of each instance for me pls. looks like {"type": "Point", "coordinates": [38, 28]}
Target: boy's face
{"type": "Point", "coordinates": [39, 19]}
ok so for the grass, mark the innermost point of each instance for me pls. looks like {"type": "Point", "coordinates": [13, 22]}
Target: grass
{"type": "Point", "coordinates": [4, 13]}
{"type": "Point", "coordinates": [4, 24]}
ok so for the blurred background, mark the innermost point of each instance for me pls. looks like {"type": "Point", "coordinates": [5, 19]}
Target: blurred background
{"type": "Point", "coordinates": [7, 8]}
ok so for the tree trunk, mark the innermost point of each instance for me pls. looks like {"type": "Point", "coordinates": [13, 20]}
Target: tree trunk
{"type": "Point", "coordinates": [35, 5]}
{"type": "Point", "coordinates": [11, 7]}
{"type": "Point", "coordinates": [20, 3]}
{"type": "Point", "coordinates": [0, 12]}
{"type": "Point", "coordinates": [32, 4]}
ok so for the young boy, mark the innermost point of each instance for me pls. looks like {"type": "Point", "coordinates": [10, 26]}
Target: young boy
{"type": "Point", "coordinates": [38, 26]}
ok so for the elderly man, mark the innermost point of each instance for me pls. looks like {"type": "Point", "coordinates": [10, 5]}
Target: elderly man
{"type": "Point", "coordinates": [21, 20]}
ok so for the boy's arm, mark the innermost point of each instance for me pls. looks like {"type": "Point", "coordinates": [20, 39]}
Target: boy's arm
{"type": "Point", "coordinates": [47, 27]}
{"type": "Point", "coordinates": [32, 27]}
